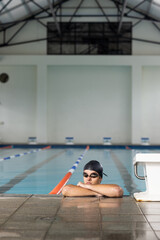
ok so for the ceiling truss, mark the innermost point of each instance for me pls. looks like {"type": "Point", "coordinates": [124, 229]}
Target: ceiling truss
{"type": "Point", "coordinates": [53, 10]}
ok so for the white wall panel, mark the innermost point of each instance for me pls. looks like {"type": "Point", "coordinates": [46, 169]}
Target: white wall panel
{"type": "Point", "coordinates": [151, 103]}
{"type": "Point", "coordinates": [18, 104]}
{"type": "Point", "coordinates": [89, 103]}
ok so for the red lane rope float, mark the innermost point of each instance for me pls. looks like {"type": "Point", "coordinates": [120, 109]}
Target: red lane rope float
{"type": "Point", "coordinates": [48, 147]}
{"type": "Point", "coordinates": [128, 148]}
{"type": "Point", "coordinates": [65, 179]}
{"type": "Point", "coordinates": [6, 147]}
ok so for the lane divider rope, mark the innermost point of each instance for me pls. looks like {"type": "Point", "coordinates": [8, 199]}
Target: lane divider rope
{"type": "Point", "coordinates": [65, 179]}
{"type": "Point", "coordinates": [25, 153]}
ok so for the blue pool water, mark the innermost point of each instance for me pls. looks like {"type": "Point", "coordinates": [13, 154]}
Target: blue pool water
{"type": "Point", "coordinates": [40, 172]}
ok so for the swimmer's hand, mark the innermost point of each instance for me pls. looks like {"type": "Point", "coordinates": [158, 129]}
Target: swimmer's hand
{"type": "Point", "coordinates": [80, 184]}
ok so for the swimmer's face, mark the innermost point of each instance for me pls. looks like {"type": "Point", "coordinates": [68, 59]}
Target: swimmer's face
{"type": "Point", "coordinates": [91, 177]}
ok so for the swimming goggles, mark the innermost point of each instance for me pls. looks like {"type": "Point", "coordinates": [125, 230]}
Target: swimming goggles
{"type": "Point", "coordinates": [93, 175]}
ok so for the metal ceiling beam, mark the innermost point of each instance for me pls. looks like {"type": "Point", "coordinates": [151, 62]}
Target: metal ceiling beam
{"type": "Point", "coordinates": [11, 24]}
{"type": "Point", "coordinates": [149, 6]}
{"type": "Point", "coordinates": [23, 42]}
{"type": "Point", "coordinates": [146, 17]}
{"type": "Point", "coordinates": [40, 7]}
{"type": "Point", "coordinates": [8, 24]}
{"type": "Point", "coordinates": [156, 26]}
{"type": "Point", "coordinates": [16, 33]}
{"type": "Point", "coordinates": [132, 9]}
{"type": "Point", "coordinates": [27, 7]}
{"type": "Point", "coordinates": [44, 25]}
{"type": "Point", "coordinates": [54, 17]}
{"type": "Point", "coordinates": [104, 14]}
{"type": "Point", "coordinates": [76, 10]}
{"type": "Point", "coordinates": [144, 40]}
{"type": "Point", "coordinates": [5, 6]}
{"type": "Point", "coordinates": [135, 7]}
{"type": "Point", "coordinates": [16, 6]}
{"type": "Point", "coordinates": [122, 15]}
{"type": "Point", "coordinates": [135, 24]}
{"type": "Point", "coordinates": [118, 8]}
{"type": "Point", "coordinates": [29, 18]}
{"type": "Point", "coordinates": [44, 39]}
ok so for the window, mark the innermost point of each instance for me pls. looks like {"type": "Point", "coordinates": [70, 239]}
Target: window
{"type": "Point", "coordinates": [81, 38]}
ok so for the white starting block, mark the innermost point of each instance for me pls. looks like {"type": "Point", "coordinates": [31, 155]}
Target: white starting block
{"type": "Point", "coordinates": [32, 140]}
{"type": "Point", "coordinates": [107, 141]}
{"type": "Point", "coordinates": [69, 140]}
{"type": "Point", "coordinates": [151, 164]}
{"type": "Point", "coordinates": [145, 141]}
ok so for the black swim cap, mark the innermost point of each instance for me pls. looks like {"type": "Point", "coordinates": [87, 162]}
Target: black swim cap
{"type": "Point", "coordinates": [95, 166]}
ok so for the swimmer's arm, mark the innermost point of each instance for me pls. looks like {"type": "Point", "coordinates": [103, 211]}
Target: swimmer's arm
{"type": "Point", "coordinates": [109, 190]}
{"type": "Point", "coordinates": [77, 191]}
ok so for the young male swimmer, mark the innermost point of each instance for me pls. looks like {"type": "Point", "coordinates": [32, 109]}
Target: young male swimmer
{"type": "Point", "coordinates": [92, 176]}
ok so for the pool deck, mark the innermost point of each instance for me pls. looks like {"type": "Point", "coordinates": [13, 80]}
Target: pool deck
{"type": "Point", "coordinates": [54, 217]}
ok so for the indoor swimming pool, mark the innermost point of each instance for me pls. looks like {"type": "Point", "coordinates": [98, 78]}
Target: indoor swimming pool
{"type": "Point", "coordinates": [39, 171]}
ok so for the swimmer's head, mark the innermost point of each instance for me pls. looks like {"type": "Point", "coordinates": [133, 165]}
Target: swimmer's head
{"type": "Point", "coordinates": [94, 166]}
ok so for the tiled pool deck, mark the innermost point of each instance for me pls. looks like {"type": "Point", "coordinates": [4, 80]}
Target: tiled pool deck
{"type": "Point", "coordinates": [50, 217]}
